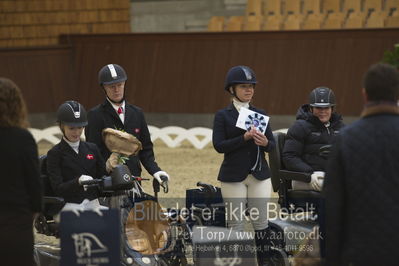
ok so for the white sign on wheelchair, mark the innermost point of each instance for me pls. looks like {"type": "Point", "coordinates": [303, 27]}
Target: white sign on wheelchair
{"type": "Point", "coordinates": [88, 238]}
{"type": "Point", "coordinates": [248, 119]}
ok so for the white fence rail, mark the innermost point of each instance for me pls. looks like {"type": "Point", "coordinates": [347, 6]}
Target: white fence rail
{"type": "Point", "coordinates": [172, 136]}
{"type": "Point", "coordinates": [199, 137]}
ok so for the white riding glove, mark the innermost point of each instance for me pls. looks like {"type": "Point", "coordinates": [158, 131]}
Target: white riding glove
{"type": "Point", "coordinates": [84, 178]}
{"type": "Point", "coordinates": [158, 175]}
{"type": "Point", "coordinates": [317, 179]}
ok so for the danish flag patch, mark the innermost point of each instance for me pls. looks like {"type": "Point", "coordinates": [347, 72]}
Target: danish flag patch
{"type": "Point", "coordinates": [90, 156]}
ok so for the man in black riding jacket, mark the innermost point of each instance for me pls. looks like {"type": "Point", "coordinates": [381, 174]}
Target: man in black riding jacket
{"type": "Point", "coordinates": [115, 112]}
{"type": "Point", "coordinates": [317, 125]}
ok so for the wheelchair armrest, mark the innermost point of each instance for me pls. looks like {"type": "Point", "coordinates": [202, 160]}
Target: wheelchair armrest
{"type": "Point", "coordinates": [298, 176]}
{"type": "Point", "coordinates": [53, 200]}
{"type": "Point", "coordinates": [52, 205]}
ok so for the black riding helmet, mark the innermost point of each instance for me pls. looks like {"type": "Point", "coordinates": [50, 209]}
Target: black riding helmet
{"type": "Point", "coordinates": [322, 97]}
{"type": "Point", "coordinates": [239, 75]}
{"type": "Point", "coordinates": [72, 113]}
{"type": "Point", "coordinates": [111, 73]}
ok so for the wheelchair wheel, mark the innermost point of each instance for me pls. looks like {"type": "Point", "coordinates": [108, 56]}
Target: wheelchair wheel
{"type": "Point", "coordinates": [187, 245]}
{"type": "Point", "coordinates": [278, 258]}
{"type": "Point", "coordinates": [40, 224]}
{"type": "Point", "coordinates": [182, 250]}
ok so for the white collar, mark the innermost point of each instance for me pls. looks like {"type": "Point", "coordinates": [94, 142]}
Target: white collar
{"type": "Point", "coordinates": [116, 107]}
{"type": "Point", "coordinates": [237, 104]}
{"type": "Point", "coordinates": [74, 145]}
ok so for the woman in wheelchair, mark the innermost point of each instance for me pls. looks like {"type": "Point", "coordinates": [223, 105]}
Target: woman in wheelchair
{"type": "Point", "coordinates": [244, 173]}
{"type": "Point", "coordinates": [72, 161]}
{"type": "Point", "coordinates": [317, 125]}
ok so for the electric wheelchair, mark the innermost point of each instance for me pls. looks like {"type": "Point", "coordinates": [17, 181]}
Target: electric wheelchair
{"type": "Point", "coordinates": [299, 208]}
{"type": "Point", "coordinates": [289, 199]}
{"type": "Point", "coordinates": [142, 242]}
{"type": "Point", "coordinates": [44, 222]}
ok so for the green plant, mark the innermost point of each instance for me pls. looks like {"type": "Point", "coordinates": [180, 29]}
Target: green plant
{"type": "Point", "coordinates": [119, 129]}
{"type": "Point", "coordinates": [122, 159]}
{"type": "Point", "coordinates": [392, 57]}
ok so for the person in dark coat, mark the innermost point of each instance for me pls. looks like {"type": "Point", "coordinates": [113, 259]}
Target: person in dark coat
{"type": "Point", "coordinates": [362, 179]}
{"type": "Point", "coordinates": [72, 161]}
{"type": "Point", "coordinates": [317, 125]}
{"type": "Point", "coordinates": [21, 195]}
{"type": "Point", "coordinates": [244, 173]}
{"type": "Point", "coordinates": [115, 112]}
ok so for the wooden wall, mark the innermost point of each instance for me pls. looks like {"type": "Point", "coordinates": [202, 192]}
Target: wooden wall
{"type": "Point", "coordinates": [45, 76]}
{"type": "Point", "coordinates": [184, 73]}
{"type": "Point", "coordinates": [40, 22]}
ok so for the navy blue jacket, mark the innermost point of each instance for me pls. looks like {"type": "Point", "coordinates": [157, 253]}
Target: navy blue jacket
{"type": "Point", "coordinates": [304, 139]}
{"type": "Point", "coordinates": [65, 166]}
{"type": "Point", "coordinates": [362, 191]}
{"type": "Point", "coordinates": [239, 155]}
{"type": "Point", "coordinates": [104, 116]}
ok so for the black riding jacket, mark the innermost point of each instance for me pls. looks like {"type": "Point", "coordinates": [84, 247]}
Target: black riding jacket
{"type": "Point", "coordinates": [65, 166]}
{"type": "Point", "coordinates": [305, 137]}
{"type": "Point", "coordinates": [104, 116]}
{"type": "Point", "coordinates": [239, 155]}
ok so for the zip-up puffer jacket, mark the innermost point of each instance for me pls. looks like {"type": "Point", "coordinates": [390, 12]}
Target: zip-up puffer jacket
{"type": "Point", "coordinates": [305, 137]}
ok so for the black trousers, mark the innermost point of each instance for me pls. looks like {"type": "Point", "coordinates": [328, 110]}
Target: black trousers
{"type": "Point", "coordinates": [16, 239]}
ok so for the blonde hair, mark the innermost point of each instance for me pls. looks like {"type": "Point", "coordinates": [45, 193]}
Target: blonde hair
{"type": "Point", "coordinates": [13, 112]}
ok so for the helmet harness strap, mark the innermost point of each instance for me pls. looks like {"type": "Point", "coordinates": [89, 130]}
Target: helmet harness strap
{"type": "Point", "coordinates": [76, 114]}
{"type": "Point", "coordinates": [118, 102]}
{"type": "Point", "coordinates": [234, 94]}
{"type": "Point", "coordinates": [110, 74]}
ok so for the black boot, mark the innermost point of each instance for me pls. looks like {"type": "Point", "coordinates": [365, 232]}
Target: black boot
{"type": "Point", "coordinates": [262, 241]}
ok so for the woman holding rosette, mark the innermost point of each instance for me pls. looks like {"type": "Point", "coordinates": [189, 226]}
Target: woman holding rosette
{"type": "Point", "coordinates": [244, 173]}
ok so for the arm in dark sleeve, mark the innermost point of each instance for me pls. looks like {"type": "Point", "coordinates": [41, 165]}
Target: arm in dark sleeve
{"type": "Point", "coordinates": [100, 163]}
{"type": "Point", "coordinates": [269, 135]}
{"type": "Point", "coordinates": [334, 189]}
{"type": "Point", "coordinates": [60, 187]}
{"type": "Point", "coordinates": [89, 133]}
{"type": "Point", "coordinates": [220, 141]}
{"type": "Point", "coordinates": [93, 132]}
{"type": "Point", "coordinates": [293, 150]}
{"type": "Point", "coordinates": [34, 187]}
{"type": "Point", "coordinates": [146, 155]}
